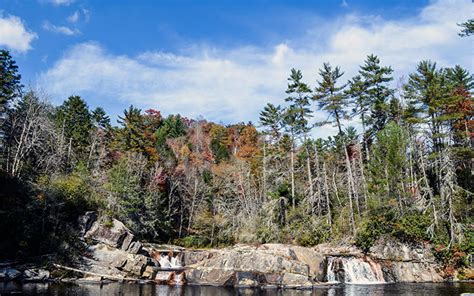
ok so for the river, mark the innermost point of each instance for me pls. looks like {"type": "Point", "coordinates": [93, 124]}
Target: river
{"type": "Point", "coordinates": [429, 289]}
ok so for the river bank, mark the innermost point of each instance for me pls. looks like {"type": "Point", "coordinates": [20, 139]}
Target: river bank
{"type": "Point", "coordinates": [111, 253]}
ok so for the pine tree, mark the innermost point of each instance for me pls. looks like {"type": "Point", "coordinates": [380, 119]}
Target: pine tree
{"type": "Point", "coordinates": [271, 119]}
{"type": "Point", "coordinates": [10, 88]}
{"type": "Point", "coordinates": [376, 92]}
{"type": "Point", "coordinates": [100, 118]}
{"type": "Point", "coordinates": [330, 97]}
{"type": "Point", "coordinates": [73, 117]}
{"type": "Point", "coordinates": [296, 117]}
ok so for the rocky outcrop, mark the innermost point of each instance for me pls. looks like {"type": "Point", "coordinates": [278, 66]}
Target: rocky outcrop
{"type": "Point", "coordinates": [114, 251]}
{"type": "Point", "coordinates": [243, 265]}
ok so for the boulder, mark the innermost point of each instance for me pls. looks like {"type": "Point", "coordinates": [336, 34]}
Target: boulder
{"type": "Point", "coordinates": [85, 222]}
{"type": "Point", "coordinates": [292, 280]}
{"type": "Point", "coordinates": [115, 235]}
{"type": "Point", "coordinates": [135, 247]}
{"type": "Point", "coordinates": [8, 274]}
{"type": "Point", "coordinates": [132, 264]}
{"type": "Point", "coordinates": [35, 275]}
{"type": "Point", "coordinates": [149, 273]}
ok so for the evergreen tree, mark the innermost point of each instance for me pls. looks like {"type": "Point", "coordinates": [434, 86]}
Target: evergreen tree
{"type": "Point", "coordinates": [467, 28]}
{"type": "Point", "coordinates": [376, 92]}
{"type": "Point", "coordinates": [271, 119]}
{"type": "Point", "coordinates": [10, 88]}
{"type": "Point", "coordinates": [330, 97]}
{"type": "Point", "coordinates": [73, 117]}
{"type": "Point", "coordinates": [100, 118]}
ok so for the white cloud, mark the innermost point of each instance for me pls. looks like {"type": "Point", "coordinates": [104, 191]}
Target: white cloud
{"type": "Point", "coordinates": [60, 2]}
{"type": "Point", "coordinates": [60, 29]}
{"type": "Point", "coordinates": [74, 18]}
{"type": "Point", "coordinates": [234, 84]}
{"type": "Point", "coordinates": [14, 35]}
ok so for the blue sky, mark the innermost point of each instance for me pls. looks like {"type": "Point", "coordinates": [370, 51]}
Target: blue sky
{"type": "Point", "coordinates": [223, 59]}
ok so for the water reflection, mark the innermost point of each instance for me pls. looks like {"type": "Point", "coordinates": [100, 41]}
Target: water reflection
{"type": "Point", "coordinates": [136, 289]}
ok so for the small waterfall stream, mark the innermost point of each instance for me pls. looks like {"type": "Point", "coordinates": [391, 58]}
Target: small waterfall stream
{"type": "Point", "coordinates": [354, 270]}
{"type": "Point", "coordinates": [167, 261]}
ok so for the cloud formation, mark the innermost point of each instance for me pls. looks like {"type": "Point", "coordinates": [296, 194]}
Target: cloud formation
{"type": "Point", "coordinates": [14, 35]}
{"type": "Point", "coordinates": [74, 18]}
{"type": "Point", "coordinates": [60, 29]}
{"type": "Point", "coordinates": [234, 84]}
{"type": "Point", "coordinates": [60, 2]}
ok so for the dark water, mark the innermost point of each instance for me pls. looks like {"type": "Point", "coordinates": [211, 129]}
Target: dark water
{"type": "Point", "coordinates": [136, 289]}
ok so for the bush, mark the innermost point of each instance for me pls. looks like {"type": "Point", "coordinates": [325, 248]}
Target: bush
{"type": "Point", "coordinates": [193, 241]}
{"type": "Point", "coordinates": [412, 228]}
{"type": "Point", "coordinates": [379, 221]}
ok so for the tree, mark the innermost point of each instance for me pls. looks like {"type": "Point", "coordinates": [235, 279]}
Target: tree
{"type": "Point", "coordinates": [100, 118]}
{"type": "Point", "coordinates": [331, 97]}
{"type": "Point", "coordinates": [271, 119]}
{"type": "Point", "coordinates": [10, 88]}
{"type": "Point", "coordinates": [296, 117]}
{"type": "Point", "coordinates": [467, 28]}
{"type": "Point", "coordinates": [376, 91]}
{"type": "Point", "coordinates": [74, 120]}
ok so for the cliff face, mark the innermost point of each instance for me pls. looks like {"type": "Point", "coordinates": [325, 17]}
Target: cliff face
{"type": "Point", "coordinates": [113, 253]}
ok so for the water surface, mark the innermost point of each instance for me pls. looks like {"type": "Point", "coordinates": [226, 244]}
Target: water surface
{"type": "Point", "coordinates": [429, 289]}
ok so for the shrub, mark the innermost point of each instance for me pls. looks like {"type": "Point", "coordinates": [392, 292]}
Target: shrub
{"type": "Point", "coordinates": [412, 227]}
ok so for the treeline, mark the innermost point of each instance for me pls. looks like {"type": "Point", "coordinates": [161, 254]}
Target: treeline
{"type": "Point", "coordinates": [406, 172]}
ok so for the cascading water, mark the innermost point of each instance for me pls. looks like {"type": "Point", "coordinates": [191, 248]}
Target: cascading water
{"type": "Point", "coordinates": [354, 270]}
{"type": "Point", "coordinates": [167, 261]}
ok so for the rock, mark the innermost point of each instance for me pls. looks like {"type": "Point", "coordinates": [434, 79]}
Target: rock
{"type": "Point", "coordinates": [212, 277]}
{"type": "Point", "coordinates": [415, 272]}
{"type": "Point", "coordinates": [135, 247]}
{"type": "Point", "coordinates": [115, 235]}
{"type": "Point", "coordinates": [246, 279]}
{"type": "Point", "coordinates": [313, 259]}
{"type": "Point", "coordinates": [391, 249]}
{"type": "Point", "coordinates": [132, 264]}
{"type": "Point", "coordinates": [8, 274]}
{"type": "Point", "coordinates": [149, 273]}
{"type": "Point", "coordinates": [292, 280]}
{"type": "Point", "coordinates": [33, 275]}
{"type": "Point", "coordinates": [164, 277]}
{"type": "Point", "coordinates": [85, 222]}
{"type": "Point", "coordinates": [191, 257]}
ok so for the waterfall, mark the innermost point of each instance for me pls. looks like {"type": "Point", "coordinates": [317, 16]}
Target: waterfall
{"type": "Point", "coordinates": [167, 262]}
{"type": "Point", "coordinates": [354, 270]}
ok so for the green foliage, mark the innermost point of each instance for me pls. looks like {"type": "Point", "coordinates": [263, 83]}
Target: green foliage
{"type": "Point", "coordinates": [172, 127]}
{"type": "Point", "coordinates": [388, 162]}
{"type": "Point", "coordinates": [74, 118]}
{"type": "Point", "coordinates": [193, 241]}
{"type": "Point", "coordinates": [412, 227]}
{"type": "Point", "coordinates": [10, 85]}
{"type": "Point", "coordinates": [330, 97]}
{"type": "Point", "coordinates": [125, 186]}
{"type": "Point", "coordinates": [379, 221]}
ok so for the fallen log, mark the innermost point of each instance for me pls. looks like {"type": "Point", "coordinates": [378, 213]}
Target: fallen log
{"type": "Point", "coordinates": [104, 276]}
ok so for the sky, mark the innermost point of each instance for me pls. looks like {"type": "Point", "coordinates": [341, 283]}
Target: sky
{"type": "Point", "coordinates": [223, 59]}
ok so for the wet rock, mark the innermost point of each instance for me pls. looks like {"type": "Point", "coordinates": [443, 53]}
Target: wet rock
{"type": "Point", "coordinates": [132, 264]}
{"type": "Point", "coordinates": [149, 273]}
{"type": "Point", "coordinates": [33, 275]}
{"type": "Point", "coordinates": [292, 280]}
{"type": "Point", "coordinates": [164, 277]}
{"type": "Point", "coordinates": [246, 279]}
{"type": "Point", "coordinates": [8, 274]}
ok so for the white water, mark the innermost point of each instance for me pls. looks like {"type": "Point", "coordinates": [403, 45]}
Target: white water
{"type": "Point", "coordinates": [354, 270]}
{"type": "Point", "coordinates": [166, 262]}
